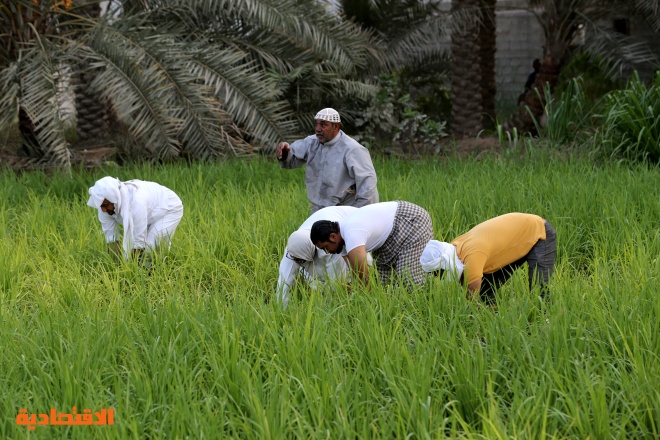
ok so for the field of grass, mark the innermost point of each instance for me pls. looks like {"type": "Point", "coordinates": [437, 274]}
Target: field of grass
{"type": "Point", "coordinates": [198, 348]}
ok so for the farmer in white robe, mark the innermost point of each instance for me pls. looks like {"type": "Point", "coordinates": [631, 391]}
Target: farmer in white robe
{"type": "Point", "coordinates": [149, 213]}
{"type": "Point", "coordinates": [302, 258]}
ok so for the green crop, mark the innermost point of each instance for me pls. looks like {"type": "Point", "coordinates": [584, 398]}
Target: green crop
{"type": "Point", "coordinates": [199, 348]}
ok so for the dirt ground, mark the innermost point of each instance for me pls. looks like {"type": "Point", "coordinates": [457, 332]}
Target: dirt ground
{"type": "Point", "coordinates": [474, 146]}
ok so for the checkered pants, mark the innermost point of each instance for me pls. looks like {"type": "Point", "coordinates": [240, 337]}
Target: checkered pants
{"type": "Point", "coordinates": [403, 248]}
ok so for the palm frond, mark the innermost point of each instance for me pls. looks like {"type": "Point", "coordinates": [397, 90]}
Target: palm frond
{"type": "Point", "coordinates": [9, 92]}
{"type": "Point", "coordinates": [650, 11]}
{"type": "Point", "coordinates": [618, 52]}
{"type": "Point", "coordinates": [245, 92]}
{"type": "Point", "coordinates": [139, 88]}
{"type": "Point", "coordinates": [205, 124]}
{"type": "Point", "coordinates": [39, 99]}
{"type": "Point", "coordinates": [428, 39]}
{"type": "Point", "coordinates": [280, 27]}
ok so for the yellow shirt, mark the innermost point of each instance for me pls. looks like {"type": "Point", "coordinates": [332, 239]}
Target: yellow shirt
{"type": "Point", "coordinates": [497, 242]}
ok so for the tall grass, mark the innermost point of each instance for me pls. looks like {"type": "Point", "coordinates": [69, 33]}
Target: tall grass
{"type": "Point", "coordinates": [631, 121]}
{"type": "Point", "coordinates": [623, 124]}
{"type": "Point", "coordinates": [199, 349]}
{"type": "Point", "coordinates": [569, 115]}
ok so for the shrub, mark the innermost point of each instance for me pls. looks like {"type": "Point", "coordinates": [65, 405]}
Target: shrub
{"type": "Point", "coordinates": [630, 122]}
{"type": "Point", "coordinates": [393, 118]}
{"type": "Point", "coordinates": [568, 114]}
{"type": "Point", "coordinates": [592, 71]}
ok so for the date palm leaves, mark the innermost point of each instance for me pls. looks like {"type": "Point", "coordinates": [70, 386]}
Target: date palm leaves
{"type": "Point", "coordinates": [208, 78]}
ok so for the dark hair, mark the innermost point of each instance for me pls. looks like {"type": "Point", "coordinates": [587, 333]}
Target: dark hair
{"type": "Point", "coordinates": [322, 229]}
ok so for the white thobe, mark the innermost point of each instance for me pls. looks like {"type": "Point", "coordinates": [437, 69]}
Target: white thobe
{"type": "Point", "coordinates": [156, 212]}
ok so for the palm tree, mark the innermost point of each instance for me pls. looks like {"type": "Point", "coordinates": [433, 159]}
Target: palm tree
{"type": "Point", "coordinates": [563, 22]}
{"type": "Point", "coordinates": [487, 49]}
{"type": "Point", "coordinates": [94, 117]}
{"type": "Point", "coordinates": [415, 34]}
{"type": "Point", "coordinates": [207, 77]}
{"type": "Point", "coordinates": [466, 83]}
{"type": "Point", "coordinates": [411, 31]}
{"type": "Point", "coordinates": [26, 68]}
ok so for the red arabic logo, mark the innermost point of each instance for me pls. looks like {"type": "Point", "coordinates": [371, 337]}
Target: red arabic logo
{"type": "Point", "coordinates": [103, 417]}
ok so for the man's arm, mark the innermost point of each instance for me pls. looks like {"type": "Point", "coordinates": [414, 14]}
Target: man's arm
{"type": "Point", "coordinates": [473, 290]}
{"type": "Point", "coordinates": [361, 168]}
{"type": "Point", "coordinates": [474, 270]}
{"type": "Point", "coordinates": [109, 227]}
{"type": "Point", "coordinates": [357, 261]}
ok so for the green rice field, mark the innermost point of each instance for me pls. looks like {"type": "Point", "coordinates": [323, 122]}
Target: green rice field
{"type": "Point", "coordinates": [198, 347]}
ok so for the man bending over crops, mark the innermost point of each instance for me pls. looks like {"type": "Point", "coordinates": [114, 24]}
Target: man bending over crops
{"type": "Point", "coordinates": [485, 257]}
{"type": "Point", "coordinates": [301, 257]}
{"type": "Point", "coordinates": [148, 212]}
{"type": "Point", "coordinates": [396, 233]}
{"type": "Point", "coordinates": [339, 170]}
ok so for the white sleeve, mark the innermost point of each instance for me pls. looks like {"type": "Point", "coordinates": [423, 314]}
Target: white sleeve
{"type": "Point", "coordinates": [288, 271]}
{"type": "Point", "coordinates": [139, 213]}
{"type": "Point", "coordinates": [109, 226]}
{"type": "Point", "coordinates": [336, 267]}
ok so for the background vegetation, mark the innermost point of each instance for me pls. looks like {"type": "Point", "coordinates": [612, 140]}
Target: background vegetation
{"type": "Point", "coordinates": [197, 348]}
{"type": "Point", "coordinates": [622, 124]}
{"type": "Point", "coordinates": [210, 79]}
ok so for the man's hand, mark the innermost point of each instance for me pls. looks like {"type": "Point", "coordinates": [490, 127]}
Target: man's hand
{"type": "Point", "coordinates": [357, 261]}
{"type": "Point", "coordinates": [282, 150]}
{"type": "Point", "coordinates": [473, 290]}
{"type": "Point", "coordinates": [116, 251]}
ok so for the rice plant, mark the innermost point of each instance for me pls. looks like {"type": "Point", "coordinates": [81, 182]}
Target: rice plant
{"type": "Point", "coordinates": [198, 348]}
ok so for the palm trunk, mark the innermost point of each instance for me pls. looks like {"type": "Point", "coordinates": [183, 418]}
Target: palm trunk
{"type": "Point", "coordinates": [487, 48]}
{"type": "Point", "coordinates": [30, 143]}
{"type": "Point", "coordinates": [467, 117]}
{"type": "Point", "coordinates": [93, 117]}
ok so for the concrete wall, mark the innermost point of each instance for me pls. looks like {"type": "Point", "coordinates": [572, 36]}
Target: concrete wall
{"type": "Point", "coordinates": [519, 40]}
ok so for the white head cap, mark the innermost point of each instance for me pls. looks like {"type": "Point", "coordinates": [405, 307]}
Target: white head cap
{"type": "Point", "coordinates": [300, 245]}
{"type": "Point", "coordinates": [328, 114]}
{"type": "Point", "coordinates": [438, 255]}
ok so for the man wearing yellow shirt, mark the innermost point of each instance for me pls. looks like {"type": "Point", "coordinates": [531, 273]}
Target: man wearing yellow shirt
{"type": "Point", "coordinates": [485, 257]}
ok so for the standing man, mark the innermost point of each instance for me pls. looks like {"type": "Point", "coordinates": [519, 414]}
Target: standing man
{"type": "Point", "coordinates": [148, 212]}
{"type": "Point", "coordinates": [339, 169]}
{"type": "Point", "coordinates": [531, 79]}
{"type": "Point", "coordinates": [395, 233]}
{"type": "Point", "coordinates": [302, 257]}
{"type": "Point", "coordinates": [485, 257]}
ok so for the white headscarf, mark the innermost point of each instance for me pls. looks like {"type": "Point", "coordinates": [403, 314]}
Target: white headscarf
{"type": "Point", "coordinates": [300, 245]}
{"type": "Point", "coordinates": [440, 255]}
{"type": "Point", "coordinates": [114, 191]}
